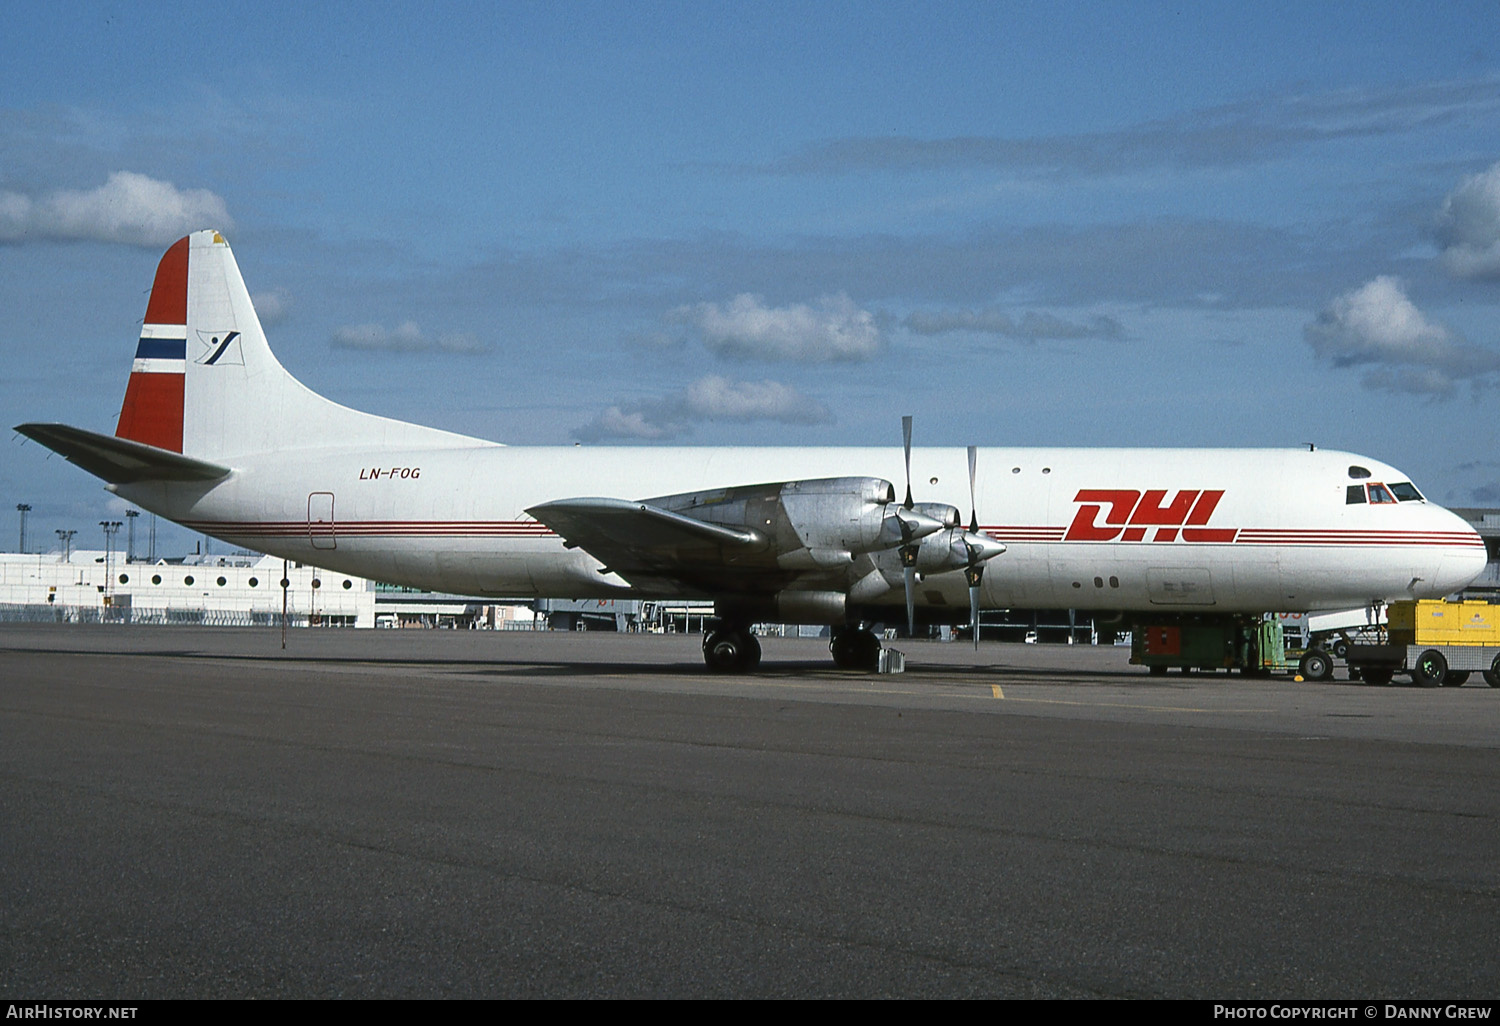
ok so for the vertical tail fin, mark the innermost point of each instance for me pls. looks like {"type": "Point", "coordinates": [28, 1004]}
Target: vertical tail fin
{"type": "Point", "coordinates": [206, 384]}
{"type": "Point", "coordinates": [152, 412]}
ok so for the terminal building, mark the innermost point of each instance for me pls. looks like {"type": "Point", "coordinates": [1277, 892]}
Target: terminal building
{"type": "Point", "coordinates": [241, 590]}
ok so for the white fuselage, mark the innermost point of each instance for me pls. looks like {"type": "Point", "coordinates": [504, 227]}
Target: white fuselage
{"type": "Point", "coordinates": [1220, 530]}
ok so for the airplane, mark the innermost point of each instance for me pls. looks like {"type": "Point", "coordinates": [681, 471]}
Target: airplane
{"type": "Point", "coordinates": [216, 435]}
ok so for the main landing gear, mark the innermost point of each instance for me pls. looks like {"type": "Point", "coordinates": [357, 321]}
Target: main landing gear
{"type": "Point", "coordinates": [855, 648]}
{"type": "Point", "coordinates": [731, 649]}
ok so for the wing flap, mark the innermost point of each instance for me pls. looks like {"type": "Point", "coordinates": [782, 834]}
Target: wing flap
{"type": "Point", "coordinates": [119, 460]}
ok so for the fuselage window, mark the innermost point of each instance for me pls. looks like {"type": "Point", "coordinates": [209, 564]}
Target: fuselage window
{"type": "Point", "coordinates": [1353, 494]}
{"type": "Point", "coordinates": [1380, 493]}
{"type": "Point", "coordinates": [1405, 491]}
{"type": "Point", "coordinates": [1358, 473]}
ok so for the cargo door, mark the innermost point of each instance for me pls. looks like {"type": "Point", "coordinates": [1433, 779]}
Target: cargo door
{"type": "Point", "coordinates": [320, 527]}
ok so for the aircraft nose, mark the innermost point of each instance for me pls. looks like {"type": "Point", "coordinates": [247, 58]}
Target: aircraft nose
{"type": "Point", "coordinates": [1464, 558]}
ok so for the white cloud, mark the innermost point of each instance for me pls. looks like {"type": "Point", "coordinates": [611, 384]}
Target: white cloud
{"type": "Point", "coordinates": [1033, 326]}
{"type": "Point", "coordinates": [405, 338]}
{"type": "Point", "coordinates": [708, 398]}
{"type": "Point", "coordinates": [833, 330]}
{"type": "Point", "coordinates": [716, 398]}
{"type": "Point", "coordinates": [129, 208]}
{"type": "Point", "coordinates": [1468, 226]}
{"type": "Point", "coordinates": [1377, 324]}
{"type": "Point", "coordinates": [617, 423]}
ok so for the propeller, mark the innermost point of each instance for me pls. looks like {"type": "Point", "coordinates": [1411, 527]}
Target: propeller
{"type": "Point", "coordinates": [957, 549]}
{"type": "Point", "coordinates": [974, 572]}
{"type": "Point", "coordinates": [908, 543]}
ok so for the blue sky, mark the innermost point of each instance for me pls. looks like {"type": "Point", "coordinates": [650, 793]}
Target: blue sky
{"type": "Point", "coordinates": [1091, 224]}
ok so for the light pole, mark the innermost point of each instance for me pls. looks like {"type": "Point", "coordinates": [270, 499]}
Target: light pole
{"type": "Point", "coordinates": [65, 539]}
{"type": "Point", "coordinates": [110, 529]}
{"type": "Point", "coordinates": [23, 508]}
{"type": "Point", "coordinates": [130, 515]}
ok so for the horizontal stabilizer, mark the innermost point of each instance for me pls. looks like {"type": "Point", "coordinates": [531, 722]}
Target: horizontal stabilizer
{"type": "Point", "coordinates": [119, 460]}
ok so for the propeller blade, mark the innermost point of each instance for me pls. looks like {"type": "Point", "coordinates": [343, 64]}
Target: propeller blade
{"type": "Point", "coordinates": [909, 575]}
{"type": "Point", "coordinates": [974, 573]}
{"type": "Point", "coordinates": [973, 506]}
{"type": "Point", "coordinates": [974, 613]}
{"type": "Point", "coordinates": [906, 442]}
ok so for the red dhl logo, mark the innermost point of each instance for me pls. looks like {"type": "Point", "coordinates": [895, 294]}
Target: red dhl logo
{"type": "Point", "coordinates": [1132, 514]}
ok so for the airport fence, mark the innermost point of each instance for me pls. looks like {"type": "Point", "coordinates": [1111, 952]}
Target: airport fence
{"type": "Point", "coordinates": [142, 616]}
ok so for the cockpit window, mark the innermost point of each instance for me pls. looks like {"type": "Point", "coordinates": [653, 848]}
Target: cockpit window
{"type": "Point", "coordinates": [1406, 492]}
{"type": "Point", "coordinates": [1358, 473]}
{"type": "Point", "coordinates": [1354, 494]}
{"type": "Point", "coordinates": [1381, 494]}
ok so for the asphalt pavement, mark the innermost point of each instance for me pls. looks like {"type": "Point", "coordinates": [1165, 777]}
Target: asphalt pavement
{"type": "Point", "coordinates": [191, 812]}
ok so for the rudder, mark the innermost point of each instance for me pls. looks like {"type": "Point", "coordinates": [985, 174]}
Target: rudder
{"type": "Point", "coordinates": [154, 396]}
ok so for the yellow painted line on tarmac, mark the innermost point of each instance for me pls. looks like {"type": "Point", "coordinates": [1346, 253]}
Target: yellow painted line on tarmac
{"type": "Point", "coordinates": [1133, 705]}
{"type": "Point", "coordinates": [957, 690]}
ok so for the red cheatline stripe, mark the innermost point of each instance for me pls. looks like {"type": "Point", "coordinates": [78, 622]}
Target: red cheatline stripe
{"type": "Point", "coordinates": [1274, 536]}
{"type": "Point", "coordinates": [375, 528]}
{"type": "Point", "coordinates": [533, 529]}
{"type": "Point", "coordinates": [1460, 539]}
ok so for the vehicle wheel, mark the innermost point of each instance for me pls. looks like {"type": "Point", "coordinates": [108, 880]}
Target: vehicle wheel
{"type": "Point", "coordinates": [1430, 669]}
{"type": "Point", "coordinates": [751, 659]}
{"type": "Point", "coordinates": [1157, 671]}
{"type": "Point", "coordinates": [855, 649]}
{"type": "Point", "coordinates": [1316, 665]}
{"type": "Point", "coordinates": [1455, 678]}
{"type": "Point", "coordinates": [731, 651]}
{"type": "Point", "coordinates": [1340, 648]}
{"type": "Point", "coordinates": [1380, 676]}
{"type": "Point", "coordinates": [1492, 675]}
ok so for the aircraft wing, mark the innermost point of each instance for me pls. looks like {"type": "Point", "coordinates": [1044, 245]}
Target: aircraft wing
{"type": "Point", "coordinates": [119, 460]}
{"type": "Point", "coordinates": [748, 540]}
{"type": "Point", "coordinates": [643, 542]}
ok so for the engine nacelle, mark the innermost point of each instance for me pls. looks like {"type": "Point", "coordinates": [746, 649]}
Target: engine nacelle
{"type": "Point", "coordinates": [811, 525]}
{"type": "Point", "coordinates": [943, 513]}
{"type": "Point", "coordinates": [951, 549]}
{"type": "Point", "coordinates": [791, 606]}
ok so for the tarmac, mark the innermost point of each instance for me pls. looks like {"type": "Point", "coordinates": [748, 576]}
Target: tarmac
{"type": "Point", "coordinates": [196, 812]}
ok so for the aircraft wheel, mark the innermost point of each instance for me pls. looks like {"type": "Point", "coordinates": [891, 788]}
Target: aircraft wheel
{"type": "Point", "coordinates": [752, 653]}
{"type": "Point", "coordinates": [1455, 678]}
{"type": "Point", "coordinates": [1430, 669]}
{"type": "Point", "coordinates": [731, 651]}
{"type": "Point", "coordinates": [855, 649]}
{"type": "Point", "coordinates": [1492, 675]}
{"type": "Point", "coordinates": [1316, 665]}
{"type": "Point", "coordinates": [1380, 676]}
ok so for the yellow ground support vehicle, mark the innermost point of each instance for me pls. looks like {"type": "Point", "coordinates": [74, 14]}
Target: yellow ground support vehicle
{"type": "Point", "coordinates": [1438, 643]}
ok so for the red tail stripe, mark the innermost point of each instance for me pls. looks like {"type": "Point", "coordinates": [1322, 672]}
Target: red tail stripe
{"type": "Point", "coordinates": [152, 412]}
{"type": "Point", "coordinates": [168, 303]}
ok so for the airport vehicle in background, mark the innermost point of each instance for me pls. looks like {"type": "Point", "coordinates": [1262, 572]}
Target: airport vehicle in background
{"type": "Point", "coordinates": [1437, 643]}
{"type": "Point", "coordinates": [216, 435]}
{"type": "Point", "coordinates": [1254, 645]}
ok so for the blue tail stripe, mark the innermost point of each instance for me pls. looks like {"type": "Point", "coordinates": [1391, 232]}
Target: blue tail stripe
{"type": "Point", "coordinates": [161, 349]}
